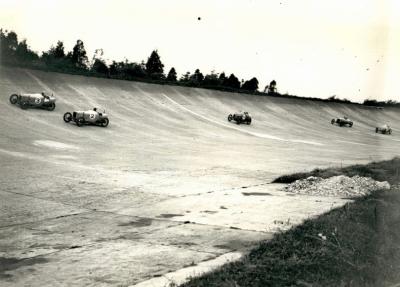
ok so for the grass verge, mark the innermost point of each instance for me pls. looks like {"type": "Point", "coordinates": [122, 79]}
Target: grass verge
{"type": "Point", "coordinates": [355, 245]}
{"type": "Point", "coordinates": [384, 170]}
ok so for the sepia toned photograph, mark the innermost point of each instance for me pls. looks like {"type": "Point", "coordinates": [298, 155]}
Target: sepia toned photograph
{"type": "Point", "coordinates": [215, 143]}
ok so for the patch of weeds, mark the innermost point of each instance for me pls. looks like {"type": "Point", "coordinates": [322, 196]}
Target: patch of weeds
{"type": "Point", "coordinates": [354, 245]}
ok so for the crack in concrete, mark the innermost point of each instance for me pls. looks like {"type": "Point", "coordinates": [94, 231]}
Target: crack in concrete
{"type": "Point", "coordinates": [152, 218]}
{"type": "Point", "coordinates": [185, 222]}
{"type": "Point", "coordinates": [226, 189]}
{"type": "Point", "coordinates": [88, 211]}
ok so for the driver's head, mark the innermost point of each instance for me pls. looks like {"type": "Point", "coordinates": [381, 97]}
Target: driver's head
{"type": "Point", "coordinates": [95, 109]}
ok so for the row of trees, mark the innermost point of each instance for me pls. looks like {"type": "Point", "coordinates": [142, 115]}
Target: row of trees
{"type": "Point", "coordinates": [14, 52]}
{"type": "Point", "coordinates": [76, 61]}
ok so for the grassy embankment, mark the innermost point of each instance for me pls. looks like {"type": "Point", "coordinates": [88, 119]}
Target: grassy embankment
{"type": "Point", "coordinates": [355, 245]}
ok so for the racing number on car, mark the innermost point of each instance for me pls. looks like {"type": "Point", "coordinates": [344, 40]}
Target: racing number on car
{"type": "Point", "coordinates": [37, 101]}
{"type": "Point", "coordinates": [91, 116]}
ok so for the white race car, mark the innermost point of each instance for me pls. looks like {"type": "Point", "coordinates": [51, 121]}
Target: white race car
{"type": "Point", "coordinates": [39, 100]}
{"type": "Point", "coordinates": [385, 129]}
{"type": "Point", "coordinates": [91, 117]}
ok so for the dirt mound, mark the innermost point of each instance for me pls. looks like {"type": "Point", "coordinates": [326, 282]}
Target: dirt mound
{"type": "Point", "coordinates": [341, 185]}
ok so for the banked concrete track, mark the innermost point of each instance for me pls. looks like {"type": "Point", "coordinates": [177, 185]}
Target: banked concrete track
{"type": "Point", "coordinates": [169, 184]}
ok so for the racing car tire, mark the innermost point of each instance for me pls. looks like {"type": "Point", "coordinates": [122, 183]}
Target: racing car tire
{"type": "Point", "coordinates": [376, 130]}
{"type": "Point", "coordinates": [79, 122]}
{"type": "Point", "coordinates": [351, 124]}
{"type": "Point", "coordinates": [230, 118]}
{"type": "Point", "coordinates": [105, 123]}
{"type": "Point", "coordinates": [24, 105]}
{"type": "Point", "coordinates": [51, 107]}
{"type": "Point", "coordinates": [67, 117]}
{"type": "Point", "coordinates": [13, 99]}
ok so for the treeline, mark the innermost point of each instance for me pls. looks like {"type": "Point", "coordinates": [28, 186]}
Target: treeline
{"type": "Point", "coordinates": [375, 103]}
{"type": "Point", "coordinates": [18, 53]}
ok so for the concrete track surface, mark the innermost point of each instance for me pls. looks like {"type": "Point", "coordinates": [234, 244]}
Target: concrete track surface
{"type": "Point", "coordinates": [169, 184]}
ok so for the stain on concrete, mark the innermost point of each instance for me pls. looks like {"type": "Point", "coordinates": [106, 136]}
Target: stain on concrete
{"type": "Point", "coordinates": [130, 236]}
{"type": "Point", "coordinates": [235, 245]}
{"type": "Point", "coordinates": [106, 281]}
{"type": "Point", "coordinates": [11, 263]}
{"type": "Point", "coordinates": [256, 193]}
{"type": "Point", "coordinates": [75, 247]}
{"type": "Point", "coordinates": [140, 222]}
{"type": "Point", "coordinates": [47, 246]}
{"type": "Point", "coordinates": [5, 275]}
{"type": "Point", "coordinates": [209, 211]}
{"type": "Point", "coordinates": [183, 244]}
{"type": "Point", "coordinates": [168, 215]}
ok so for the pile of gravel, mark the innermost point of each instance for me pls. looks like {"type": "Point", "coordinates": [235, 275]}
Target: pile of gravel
{"type": "Point", "coordinates": [341, 185]}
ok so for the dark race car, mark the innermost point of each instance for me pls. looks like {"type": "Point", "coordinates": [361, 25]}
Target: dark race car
{"type": "Point", "coordinates": [39, 100]}
{"type": "Point", "coordinates": [342, 122]}
{"type": "Point", "coordinates": [240, 118]}
{"type": "Point", "coordinates": [91, 117]}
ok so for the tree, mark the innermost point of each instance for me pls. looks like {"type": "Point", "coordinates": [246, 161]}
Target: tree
{"type": "Point", "coordinates": [154, 67]}
{"type": "Point", "coordinates": [135, 70]}
{"type": "Point", "coordinates": [222, 78]}
{"type": "Point", "coordinates": [11, 41]}
{"type": "Point", "coordinates": [99, 66]}
{"type": "Point", "coordinates": [12, 51]}
{"type": "Point", "coordinates": [56, 58]}
{"type": "Point", "coordinates": [115, 68]}
{"type": "Point", "coordinates": [8, 45]}
{"type": "Point", "coordinates": [251, 85]}
{"type": "Point", "coordinates": [55, 52]}
{"type": "Point", "coordinates": [58, 51]}
{"type": "Point", "coordinates": [24, 54]}
{"type": "Point", "coordinates": [172, 75]}
{"type": "Point", "coordinates": [232, 82]}
{"type": "Point", "coordinates": [185, 78]}
{"type": "Point", "coordinates": [211, 80]}
{"type": "Point", "coordinates": [98, 63]}
{"type": "Point", "coordinates": [271, 88]}
{"type": "Point", "coordinates": [332, 98]}
{"type": "Point", "coordinates": [197, 78]}
{"type": "Point", "coordinates": [78, 55]}
{"type": "Point", "coordinates": [127, 70]}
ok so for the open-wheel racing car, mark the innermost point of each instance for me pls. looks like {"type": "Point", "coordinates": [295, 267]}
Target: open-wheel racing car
{"type": "Point", "coordinates": [39, 100]}
{"type": "Point", "coordinates": [342, 122]}
{"type": "Point", "coordinates": [239, 118]}
{"type": "Point", "coordinates": [385, 129]}
{"type": "Point", "coordinates": [91, 117]}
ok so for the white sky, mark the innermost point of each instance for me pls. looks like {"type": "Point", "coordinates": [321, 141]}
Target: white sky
{"type": "Point", "coordinates": [310, 47]}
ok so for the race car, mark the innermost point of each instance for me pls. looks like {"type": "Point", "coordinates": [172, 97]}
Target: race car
{"type": "Point", "coordinates": [385, 129]}
{"type": "Point", "coordinates": [96, 117]}
{"type": "Point", "coordinates": [342, 122]}
{"type": "Point", "coordinates": [241, 117]}
{"type": "Point", "coordinates": [39, 100]}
